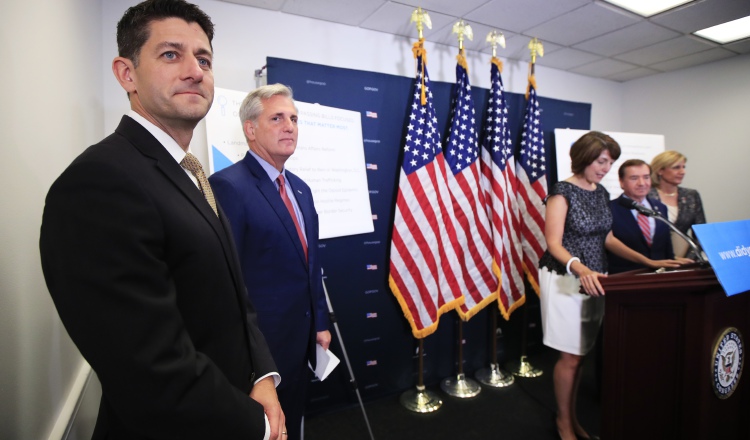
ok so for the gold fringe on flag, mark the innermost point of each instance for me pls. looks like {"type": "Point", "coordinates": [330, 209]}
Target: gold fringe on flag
{"type": "Point", "coordinates": [532, 82]}
{"type": "Point", "coordinates": [461, 58]}
{"type": "Point", "coordinates": [496, 61]}
{"type": "Point", "coordinates": [418, 51]}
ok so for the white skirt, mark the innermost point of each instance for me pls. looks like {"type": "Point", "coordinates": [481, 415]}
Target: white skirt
{"type": "Point", "coordinates": [570, 320]}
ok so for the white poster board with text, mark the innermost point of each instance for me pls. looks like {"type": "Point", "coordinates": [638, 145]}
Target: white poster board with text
{"type": "Point", "coordinates": [329, 157]}
{"type": "Point", "coordinates": [633, 146]}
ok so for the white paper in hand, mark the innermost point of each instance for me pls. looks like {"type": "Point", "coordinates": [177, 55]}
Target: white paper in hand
{"type": "Point", "coordinates": [326, 361]}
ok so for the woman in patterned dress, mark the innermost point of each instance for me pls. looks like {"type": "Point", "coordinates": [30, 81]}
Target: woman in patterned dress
{"type": "Point", "coordinates": [684, 206]}
{"type": "Point", "coordinates": [577, 230]}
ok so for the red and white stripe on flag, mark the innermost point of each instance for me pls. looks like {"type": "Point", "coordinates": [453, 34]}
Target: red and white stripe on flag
{"type": "Point", "coordinates": [425, 272]}
{"type": "Point", "coordinates": [532, 187]}
{"type": "Point", "coordinates": [500, 186]}
{"type": "Point", "coordinates": [473, 234]}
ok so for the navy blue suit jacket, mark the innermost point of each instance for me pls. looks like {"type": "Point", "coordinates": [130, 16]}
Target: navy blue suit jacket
{"type": "Point", "coordinates": [626, 229]}
{"type": "Point", "coordinates": [287, 291]}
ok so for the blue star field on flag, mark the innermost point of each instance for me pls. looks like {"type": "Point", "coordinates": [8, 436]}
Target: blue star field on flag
{"type": "Point", "coordinates": [532, 142]}
{"type": "Point", "coordinates": [497, 137]}
{"type": "Point", "coordinates": [422, 138]}
{"type": "Point", "coordinates": [461, 149]}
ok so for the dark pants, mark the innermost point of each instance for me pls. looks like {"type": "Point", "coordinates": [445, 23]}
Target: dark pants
{"type": "Point", "coordinates": [292, 393]}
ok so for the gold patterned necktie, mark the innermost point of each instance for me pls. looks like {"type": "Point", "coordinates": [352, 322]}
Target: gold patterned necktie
{"type": "Point", "coordinates": [192, 164]}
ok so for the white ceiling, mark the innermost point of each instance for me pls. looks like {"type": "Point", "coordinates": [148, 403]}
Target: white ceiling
{"type": "Point", "coordinates": [589, 37]}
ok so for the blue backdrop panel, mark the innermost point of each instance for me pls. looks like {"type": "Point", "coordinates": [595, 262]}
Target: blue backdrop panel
{"type": "Point", "coordinates": [378, 339]}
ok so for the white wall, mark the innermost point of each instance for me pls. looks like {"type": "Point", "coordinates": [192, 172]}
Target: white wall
{"type": "Point", "coordinates": [61, 97]}
{"type": "Point", "coordinates": [245, 36]}
{"type": "Point", "coordinates": [703, 113]}
{"type": "Point", "coordinates": [51, 110]}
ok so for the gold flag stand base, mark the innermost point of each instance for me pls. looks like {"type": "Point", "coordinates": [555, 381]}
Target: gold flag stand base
{"type": "Point", "coordinates": [523, 368]}
{"type": "Point", "coordinates": [460, 386]}
{"type": "Point", "coordinates": [420, 400]}
{"type": "Point", "coordinates": [494, 377]}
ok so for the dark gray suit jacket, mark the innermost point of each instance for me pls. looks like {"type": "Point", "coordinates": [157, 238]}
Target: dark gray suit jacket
{"type": "Point", "coordinates": [689, 208]}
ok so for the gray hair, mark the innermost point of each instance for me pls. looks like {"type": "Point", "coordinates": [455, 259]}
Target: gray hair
{"type": "Point", "coordinates": [252, 105]}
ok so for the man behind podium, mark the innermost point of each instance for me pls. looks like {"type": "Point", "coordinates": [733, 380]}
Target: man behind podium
{"type": "Point", "coordinates": [140, 262]}
{"type": "Point", "coordinates": [644, 235]}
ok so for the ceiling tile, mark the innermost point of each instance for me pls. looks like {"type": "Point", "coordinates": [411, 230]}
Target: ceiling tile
{"type": "Point", "coordinates": [575, 33]}
{"type": "Point", "coordinates": [706, 56]}
{"type": "Point", "coordinates": [479, 31]}
{"type": "Point", "coordinates": [517, 48]}
{"type": "Point", "coordinates": [603, 68]}
{"type": "Point", "coordinates": [448, 7]}
{"type": "Point", "coordinates": [582, 24]}
{"type": "Point", "coordinates": [338, 11]}
{"type": "Point", "coordinates": [566, 59]}
{"type": "Point", "coordinates": [742, 46]}
{"type": "Point", "coordinates": [394, 18]}
{"type": "Point", "coordinates": [274, 5]}
{"type": "Point", "coordinates": [639, 72]}
{"type": "Point", "coordinates": [639, 35]}
{"type": "Point", "coordinates": [702, 14]}
{"type": "Point", "coordinates": [517, 16]}
{"type": "Point", "coordinates": [666, 50]}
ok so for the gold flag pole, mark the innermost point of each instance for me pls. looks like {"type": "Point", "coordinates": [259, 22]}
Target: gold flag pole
{"type": "Point", "coordinates": [420, 399]}
{"type": "Point", "coordinates": [494, 376]}
{"type": "Point", "coordinates": [536, 48]}
{"type": "Point", "coordinates": [422, 19]}
{"type": "Point", "coordinates": [523, 368]}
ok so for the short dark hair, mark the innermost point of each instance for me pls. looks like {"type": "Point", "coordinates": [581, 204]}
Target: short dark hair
{"type": "Point", "coordinates": [588, 147]}
{"type": "Point", "coordinates": [133, 28]}
{"type": "Point", "coordinates": [631, 163]}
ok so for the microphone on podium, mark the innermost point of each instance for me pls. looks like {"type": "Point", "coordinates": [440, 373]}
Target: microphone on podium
{"type": "Point", "coordinates": [632, 204]}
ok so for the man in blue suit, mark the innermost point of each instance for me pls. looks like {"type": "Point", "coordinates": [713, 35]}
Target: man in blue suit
{"type": "Point", "coordinates": [635, 181]}
{"type": "Point", "coordinates": [275, 227]}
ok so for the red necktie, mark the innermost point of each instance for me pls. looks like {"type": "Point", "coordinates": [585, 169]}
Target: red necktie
{"type": "Point", "coordinates": [645, 227]}
{"type": "Point", "coordinates": [288, 203]}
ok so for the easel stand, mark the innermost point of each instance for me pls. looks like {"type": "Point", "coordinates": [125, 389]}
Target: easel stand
{"type": "Point", "coordinates": [352, 381]}
{"type": "Point", "coordinates": [459, 386]}
{"type": "Point", "coordinates": [523, 368]}
{"type": "Point", "coordinates": [494, 376]}
{"type": "Point", "coordinates": [420, 400]}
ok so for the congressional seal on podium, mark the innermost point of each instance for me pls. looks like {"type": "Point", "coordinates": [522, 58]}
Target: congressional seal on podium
{"type": "Point", "coordinates": [727, 362]}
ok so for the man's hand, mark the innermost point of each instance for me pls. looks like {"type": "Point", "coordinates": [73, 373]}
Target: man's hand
{"type": "Point", "coordinates": [264, 392]}
{"type": "Point", "coordinates": [324, 339]}
{"type": "Point", "coordinates": [663, 263]}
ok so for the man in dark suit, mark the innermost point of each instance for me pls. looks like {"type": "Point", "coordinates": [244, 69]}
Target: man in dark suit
{"type": "Point", "coordinates": [140, 261]}
{"type": "Point", "coordinates": [640, 233]}
{"type": "Point", "coordinates": [275, 227]}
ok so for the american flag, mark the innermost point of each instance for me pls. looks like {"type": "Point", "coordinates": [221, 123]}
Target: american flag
{"type": "Point", "coordinates": [425, 275]}
{"type": "Point", "coordinates": [532, 187]}
{"type": "Point", "coordinates": [500, 185]}
{"type": "Point", "coordinates": [472, 225]}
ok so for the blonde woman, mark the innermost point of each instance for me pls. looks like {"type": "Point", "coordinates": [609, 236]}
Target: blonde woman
{"type": "Point", "coordinates": [684, 206]}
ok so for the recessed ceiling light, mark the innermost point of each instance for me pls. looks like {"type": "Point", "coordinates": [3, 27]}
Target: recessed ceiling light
{"type": "Point", "coordinates": [727, 32]}
{"type": "Point", "coordinates": [647, 8]}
